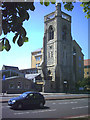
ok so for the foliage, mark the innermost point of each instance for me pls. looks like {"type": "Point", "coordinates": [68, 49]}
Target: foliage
{"type": "Point", "coordinates": [86, 8]}
{"type": "Point", "coordinates": [83, 83]}
{"type": "Point", "coordinates": [15, 13]}
{"type": "Point", "coordinates": [13, 16]}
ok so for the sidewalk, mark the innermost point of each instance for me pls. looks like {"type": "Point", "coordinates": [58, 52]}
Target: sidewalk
{"type": "Point", "coordinates": [15, 95]}
{"type": "Point", "coordinates": [48, 96]}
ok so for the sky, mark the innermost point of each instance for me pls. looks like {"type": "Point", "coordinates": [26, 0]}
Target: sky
{"type": "Point", "coordinates": [21, 56]}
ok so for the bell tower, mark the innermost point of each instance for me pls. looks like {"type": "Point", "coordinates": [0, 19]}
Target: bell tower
{"type": "Point", "coordinates": [57, 50]}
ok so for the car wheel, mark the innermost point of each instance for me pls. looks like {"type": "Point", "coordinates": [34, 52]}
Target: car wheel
{"type": "Point", "coordinates": [41, 105]}
{"type": "Point", "coordinates": [19, 106]}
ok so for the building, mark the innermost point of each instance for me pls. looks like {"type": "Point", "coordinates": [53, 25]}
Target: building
{"type": "Point", "coordinates": [63, 62]}
{"type": "Point", "coordinates": [16, 84]}
{"type": "Point", "coordinates": [29, 71]}
{"type": "Point", "coordinates": [14, 80]}
{"type": "Point", "coordinates": [9, 71]}
{"type": "Point", "coordinates": [86, 68]}
{"type": "Point", "coordinates": [78, 62]}
{"type": "Point", "coordinates": [5, 67]}
{"type": "Point", "coordinates": [36, 58]}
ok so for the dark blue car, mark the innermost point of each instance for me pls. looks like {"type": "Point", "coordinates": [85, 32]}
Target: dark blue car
{"type": "Point", "coordinates": [27, 99]}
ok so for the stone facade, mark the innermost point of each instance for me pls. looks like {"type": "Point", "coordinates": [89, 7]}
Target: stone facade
{"type": "Point", "coordinates": [58, 58]}
{"type": "Point", "coordinates": [78, 62]}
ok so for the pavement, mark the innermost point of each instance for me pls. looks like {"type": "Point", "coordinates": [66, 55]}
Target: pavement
{"type": "Point", "coordinates": [48, 96]}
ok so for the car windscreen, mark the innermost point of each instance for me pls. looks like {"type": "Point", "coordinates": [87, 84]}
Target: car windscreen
{"type": "Point", "coordinates": [23, 95]}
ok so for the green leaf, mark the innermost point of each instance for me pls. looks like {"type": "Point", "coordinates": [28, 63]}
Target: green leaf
{"type": "Point", "coordinates": [23, 14]}
{"type": "Point", "coordinates": [2, 45]}
{"type": "Point", "coordinates": [7, 45]}
{"type": "Point", "coordinates": [20, 41]}
{"type": "Point", "coordinates": [5, 27]}
{"type": "Point", "coordinates": [41, 2]}
{"type": "Point", "coordinates": [81, 5]}
{"type": "Point", "coordinates": [87, 16]}
{"type": "Point", "coordinates": [46, 2]}
{"type": "Point", "coordinates": [21, 31]}
{"type": "Point", "coordinates": [25, 39]}
{"type": "Point", "coordinates": [32, 7]}
{"type": "Point", "coordinates": [53, 1]}
{"type": "Point", "coordinates": [85, 9]}
{"type": "Point", "coordinates": [15, 37]}
{"type": "Point", "coordinates": [6, 41]}
{"type": "Point", "coordinates": [69, 6]}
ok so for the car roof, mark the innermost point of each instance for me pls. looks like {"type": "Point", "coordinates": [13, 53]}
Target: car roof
{"type": "Point", "coordinates": [31, 92]}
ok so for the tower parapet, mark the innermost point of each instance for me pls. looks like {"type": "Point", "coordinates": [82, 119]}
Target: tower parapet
{"type": "Point", "coordinates": [57, 13]}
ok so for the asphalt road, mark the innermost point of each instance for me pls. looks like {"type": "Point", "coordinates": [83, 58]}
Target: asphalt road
{"type": "Point", "coordinates": [53, 109]}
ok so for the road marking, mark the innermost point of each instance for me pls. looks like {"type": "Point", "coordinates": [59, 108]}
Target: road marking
{"type": "Point", "coordinates": [41, 111]}
{"type": "Point", "coordinates": [44, 111]}
{"type": "Point", "coordinates": [80, 107]}
{"type": "Point", "coordinates": [53, 103]}
{"type": "Point", "coordinates": [68, 103]}
{"type": "Point", "coordinates": [18, 113]}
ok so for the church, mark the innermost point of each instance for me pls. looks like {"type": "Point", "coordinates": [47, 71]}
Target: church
{"type": "Point", "coordinates": [62, 59]}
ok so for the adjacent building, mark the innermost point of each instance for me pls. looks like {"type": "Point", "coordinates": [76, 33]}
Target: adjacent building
{"type": "Point", "coordinates": [36, 58]}
{"type": "Point", "coordinates": [86, 68]}
{"type": "Point", "coordinates": [29, 71]}
{"type": "Point", "coordinates": [19, 81]}
{"type": "Point", "coordinates": [9, 71]}
{"type": "Point", "coordinates": [16, 84]}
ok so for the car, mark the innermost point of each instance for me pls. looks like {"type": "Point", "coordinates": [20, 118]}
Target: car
{"type": "Point", "coordinates": [27, 99]}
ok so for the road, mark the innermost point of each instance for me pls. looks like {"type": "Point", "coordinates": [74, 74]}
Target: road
{"type": "Point", "coordinates": [53, 109]}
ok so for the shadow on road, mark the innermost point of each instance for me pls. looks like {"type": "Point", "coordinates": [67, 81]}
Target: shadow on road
{"type": "Point", "coordinates": [31, 108]}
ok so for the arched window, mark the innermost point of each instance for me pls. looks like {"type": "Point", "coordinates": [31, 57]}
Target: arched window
{"type": "Point", "coordinates": [51, 33]}
{"type": "Point", "coordinates": [64, 32]}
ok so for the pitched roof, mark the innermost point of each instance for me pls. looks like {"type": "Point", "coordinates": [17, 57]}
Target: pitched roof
{"type": "Point", "coordinates": [37, 50]}
{"type": "Point", "coordinates": [32, 69]}
{"type": "Point", "coordinates": [10, 67]}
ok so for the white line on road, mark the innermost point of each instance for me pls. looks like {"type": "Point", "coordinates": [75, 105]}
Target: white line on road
{"type": "Point", "coordinates": [80, 107]}
{"type": "Point", "coordinates": [18, 113]}
{"type": "Point", "coordinates": [35, 112]}
{"type": "Point", "coordinates": [44, 111]}
{"type": "Point", "coordinates": [53, 103]}
{"type": "Point", "coordinates": [67, 102]}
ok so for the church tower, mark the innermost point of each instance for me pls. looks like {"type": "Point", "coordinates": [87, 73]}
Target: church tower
{"type": "Point", "coordinates": [57, 51]}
